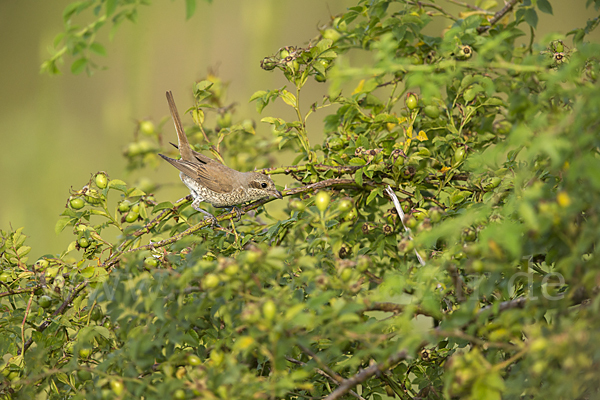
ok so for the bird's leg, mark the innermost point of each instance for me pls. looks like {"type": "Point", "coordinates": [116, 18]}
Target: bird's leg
{"type": "Point", "coordinates": [238, 213]}
{"type": "Point", "coordinates": [196, 206]}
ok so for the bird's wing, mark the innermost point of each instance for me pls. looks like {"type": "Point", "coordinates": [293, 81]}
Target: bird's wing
{"type": "Point", "coordinates": [214, 176]}
{"type": "Point", "coordinates": [199, 156]}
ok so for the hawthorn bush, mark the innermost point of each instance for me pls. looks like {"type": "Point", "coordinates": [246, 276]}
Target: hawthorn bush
{"type": "Point", "coordinates": [487, 288]}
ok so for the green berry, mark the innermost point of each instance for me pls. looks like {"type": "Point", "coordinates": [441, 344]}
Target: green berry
{"type": "Point", "coordinates": [459, 156]}
{"type": "Point", "coordinates": [269, 310]}
{"type": "Point", "coordinates": [117, 387]}
{"type": "Point", "coordinates": [151, 262]}
{"type": "Point", "coordinates": [411, 101]}
{"type": "Point", "coordinates": [96, 314]}
{"type": "Point", "coordinates": [297, 205]}
{"type": "Point", "coordinates": [232, 269]}
{"type": "Point", "coordinates": [346, 274]}
{"type": "Point", "coordinates": [101, 181]}
{"type": "Point", "coordinates": [331, 34]}
{"type": "Point", "coordinates": [410, 222]}
{"type": "Point", "coordinates": [335, 143]}
{"type": "Point", "coordinates": [211, 281]}
{"type": "Point", "coordinates": [432, 111]}
{"type": "Point", "coordinates": [132, 216]}
{"type": "Point", "coordinates": [345, 205]}
{"type": "Point", "coordinates": [124, 206]}
{"type": "Point", "coordinates": [77, 203]}
{"type": "Point", "coordinates": [147, 127]}
{"type": "Point", "coordinates": [322, 200]}
{"type": "Point", "coordinates": [84, 375]}
{"type": "Point", "coordinates": [85, 353]}
{"type": "Point", "coordinates": [45, 301]}
{"type": "Point", "coordinates": [194, 360]}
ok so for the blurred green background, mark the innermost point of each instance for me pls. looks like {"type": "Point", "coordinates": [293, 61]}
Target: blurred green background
{"type": "Point", "coordinates": [56, 131]}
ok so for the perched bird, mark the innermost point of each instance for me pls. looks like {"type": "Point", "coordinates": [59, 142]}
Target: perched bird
{"type": "Point", "coordinates": [212, 182]}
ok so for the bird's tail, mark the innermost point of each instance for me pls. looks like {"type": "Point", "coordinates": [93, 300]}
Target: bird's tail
{"type": "Point", "coordinates": [184, 145]}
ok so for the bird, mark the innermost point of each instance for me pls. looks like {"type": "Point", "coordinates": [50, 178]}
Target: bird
{"type": "Point", "coordinates": [212, 182]}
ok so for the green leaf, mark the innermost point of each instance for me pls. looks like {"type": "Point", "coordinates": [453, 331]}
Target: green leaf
{"type": "Point", "coordinates": [374, 193]}
{"type": "Point", "coordinates": [23, 250]}
{"type": "Point", "coordinates": [288, 98]}
{"type": "Point", "coordinates": [273, 121]}
{"type": "Point", "coordinates": [488, 386]}
{"type": "Point", "coordinates": [531, 17]}
{"type": "Point", "coordinates": [135, 192]}
{"type": "Point", "coordinates": [71, 9]}
{"type": "Point", "coordinates": [61, 224]}
{"type": "Point", "coordinates": [162, 206]}
{"type": "Point", "coordinates": [494, 101]}
{"type": "Point", "coordinates": [111, 6]}
{"type": "Point", "coordinates": [78, 65]}
{"type": "Point", "coordinates": [323, 45]}
{"type": "Point", "coordinates": [330, 54]}
{"type": "Point", "coordinates": [190, 8]}
{"type": "Point", "coordinates": [98, 49]}
{"type": "Point", "coordinates": [257, 94]}
{"type": "Point", "coordinates": [198, 116]}
{"type": "Point", "coordinates": [358, 177]}
{"type": "Point", "coordinates": [356, 161]}
{"type": "Point", "coordinates": [544, 6]}
{"type": "Point", "coordinates": [203, 85]}
{"type": "Point", "coordinates": [118, 185]}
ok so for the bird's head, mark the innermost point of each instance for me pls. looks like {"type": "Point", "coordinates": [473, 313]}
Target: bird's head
{"type": "Point", "coordinates": [261, 185]}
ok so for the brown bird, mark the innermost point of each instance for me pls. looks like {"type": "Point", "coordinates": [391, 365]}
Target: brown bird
{"type": "Point", "coordinates": [212, 182]}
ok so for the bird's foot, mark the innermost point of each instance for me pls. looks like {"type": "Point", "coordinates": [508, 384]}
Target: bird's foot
{"type": "Point", "coordinates": [213, 220]}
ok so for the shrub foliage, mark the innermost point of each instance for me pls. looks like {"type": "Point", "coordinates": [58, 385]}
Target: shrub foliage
{"type": "Point", "coordinates": [486, 289]}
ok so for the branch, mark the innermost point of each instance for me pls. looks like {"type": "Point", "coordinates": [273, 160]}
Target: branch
{"type": "Point", "coordinates": [398, 308]}
{"type": "Point", "coordinates": [485, 344]}
{"type": "Point", "coordinates": [366, 373]}
{"type": "Point", "coordinates": [323, 373]}
{"type": "Point", "coordinates": [505, 305]}
{"type": "Point", "coordinates": [342, 169]}
{"type": "Point", "coordinates": [60, 310]}
{"type": "Point", "coordinates": [18, 291]}
{"type": "Point", "coordinates": [498, 16]}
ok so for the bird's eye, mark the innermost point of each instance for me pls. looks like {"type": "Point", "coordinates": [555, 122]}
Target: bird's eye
{"type": "Point", "coordinates": [263, 185]}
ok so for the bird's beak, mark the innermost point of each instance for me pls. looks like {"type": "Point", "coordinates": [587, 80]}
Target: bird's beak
{"type": "Point", "coordinates": [277, 194]}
